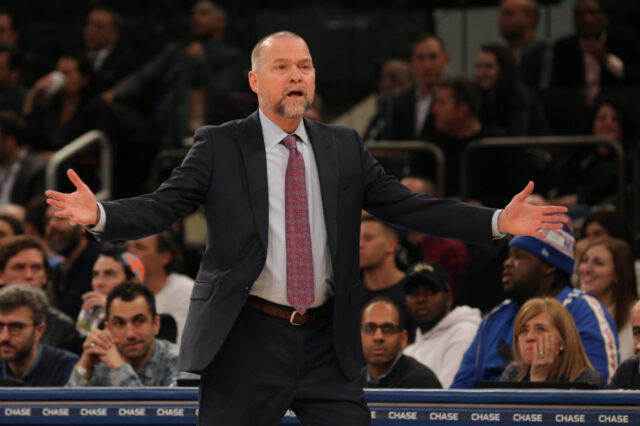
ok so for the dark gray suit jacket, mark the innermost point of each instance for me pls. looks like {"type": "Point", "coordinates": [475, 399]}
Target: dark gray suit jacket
{"type": "Point", "coordinates": [225, 171]}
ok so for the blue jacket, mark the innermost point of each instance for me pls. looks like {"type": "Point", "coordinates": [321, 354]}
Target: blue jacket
{"type": "Point", "coordinates": [491, 349]}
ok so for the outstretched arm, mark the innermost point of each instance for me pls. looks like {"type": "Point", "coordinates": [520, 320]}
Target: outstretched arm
{"type": "Point", "coordinates": [80, 206]}
{"type": "Point", "coordinates": [521, 218]}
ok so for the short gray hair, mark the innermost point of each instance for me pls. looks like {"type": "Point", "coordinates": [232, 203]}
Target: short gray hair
{"type": "Point", "coordinates": [257, 50]}
{"type": "Point", "coordinates": [15, 296]}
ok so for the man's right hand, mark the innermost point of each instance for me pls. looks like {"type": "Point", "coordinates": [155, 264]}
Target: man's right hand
{"type": "Point", "coordinates": [93, 298]}
{"type": "Point", "coordinates": [80, 206]}
{"type": "Point", "coordinates": [95, 346]}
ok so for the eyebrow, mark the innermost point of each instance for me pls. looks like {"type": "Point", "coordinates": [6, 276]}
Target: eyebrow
{"type": "Point", "coordinates": [118, 317]}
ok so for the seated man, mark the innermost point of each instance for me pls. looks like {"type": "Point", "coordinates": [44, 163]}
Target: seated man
{"type": "Point", "coordinates": [380, 273]}
{"type": "Point", "coordinates": [23, 261]}
{"type": "Point", "coordinates": [442, 334]}
{"type": "Point", "coordinates": [383, 338]}
{"type": "Point", "coordinates": [23, 359]}
{"type": "Point", "coordinates": [162, 261]}
{"type": "Point", "coordinates": [539, 268]}
{"type": "Point", "coordinates": [126, 353]}
{"type": "Point", "coordinates": [627, 375]}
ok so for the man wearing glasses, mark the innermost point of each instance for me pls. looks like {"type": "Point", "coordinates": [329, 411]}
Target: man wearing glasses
{"type": "Point", "coordinates": [383, 339]}
{"type": "Point", "coordinates": [23, 360]}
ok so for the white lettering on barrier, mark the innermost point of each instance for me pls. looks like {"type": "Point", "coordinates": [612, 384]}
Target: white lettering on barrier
{"type": "Point", "coordinates": [403, 415]}
{"type": "Point", "coordinates": [527, 417]}
{"type": "Point", "coordinates": [613, 418]}
{"type": "Point", "coordinates": [570, 418]}
{"type": "Point", "coordinates": [373, 414]}
{"type": "Point", "coordinates": [17, 411]}
{"type": "Point", "coordinates": [93, 411]}
{"type": "Point", "coordinates": [55, 411]}
{"type": "Point", "coordinates": [134, 411]}
{"type": "Point", "coordinates": [485, 417]}
{"type": "Point", "coordinates": [435, 415]}
{"type": "Point", "coordinates": [170, 412]}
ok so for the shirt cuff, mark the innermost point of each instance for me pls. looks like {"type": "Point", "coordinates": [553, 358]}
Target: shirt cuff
{"type": "Point", "coordinates": [615, 65]}
{"type": "Point", "coordinates": [494, 225]}
{"type": "Point", "coordinates": [98, 228]}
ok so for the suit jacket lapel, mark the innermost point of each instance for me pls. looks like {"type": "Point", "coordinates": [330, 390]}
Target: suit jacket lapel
{"type": "Point", "coordinates": [326, 155]}
{"type": "Point", "coordinates": [252, 146]}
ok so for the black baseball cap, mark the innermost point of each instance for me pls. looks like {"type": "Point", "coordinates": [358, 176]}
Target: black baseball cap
{"type": "Point", "coordinates": [429, 274]}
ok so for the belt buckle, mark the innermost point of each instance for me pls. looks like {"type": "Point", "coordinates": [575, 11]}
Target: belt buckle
{"type": "Point", "coordinates": [293, 315]}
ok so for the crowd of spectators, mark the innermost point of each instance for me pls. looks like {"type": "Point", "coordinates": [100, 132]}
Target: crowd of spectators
{"type": "Point", "coordinates": [112, 315]}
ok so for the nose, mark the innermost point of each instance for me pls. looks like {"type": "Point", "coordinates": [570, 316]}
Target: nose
{"type": "Point", "coordinates": [508, 262]}
{"type": "Point", "coordinates": [130, 330]}
{"type": "Point", "coordinates": [296, 75]}
{"type": "Point", "coordinates": [4, 334]}
{"type": "Point", "coordinates": [377, 335]}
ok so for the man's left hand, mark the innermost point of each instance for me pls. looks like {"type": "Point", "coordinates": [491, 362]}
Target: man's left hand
{"type": "Point", "coordinates": [521, 218]}
{"type": "Point", "coordinates": [109, 354]}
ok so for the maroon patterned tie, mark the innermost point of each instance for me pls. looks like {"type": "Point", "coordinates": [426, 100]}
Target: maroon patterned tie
{"type": "Point", "coordinates": [299, 256]}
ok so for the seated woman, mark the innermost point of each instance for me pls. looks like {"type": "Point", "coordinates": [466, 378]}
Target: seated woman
{"type": "Point", "coordinates": [588, 176]}
{"type": "Point", "coordinates": [606, 269]}
{"type": "Point", "coordinates": [507, 104]}
{"type": "Point", "coordinates": [547, 347]}
{"type": "Point", "coordinates": [56, 116]}
{"type": "Point", "coordinates": [113, 266]}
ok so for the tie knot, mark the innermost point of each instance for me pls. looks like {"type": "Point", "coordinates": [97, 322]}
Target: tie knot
{"type": "Point", "coordinates": [290, 142]}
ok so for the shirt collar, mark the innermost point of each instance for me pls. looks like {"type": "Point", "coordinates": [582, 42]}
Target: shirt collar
{"type": "Point", "coordinates": [382, 376]}
{"type": "Point", "coordinates": [273, 134]}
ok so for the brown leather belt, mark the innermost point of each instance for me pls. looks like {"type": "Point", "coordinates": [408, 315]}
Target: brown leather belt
{"type": "Point", "coordinates": [286, 313]}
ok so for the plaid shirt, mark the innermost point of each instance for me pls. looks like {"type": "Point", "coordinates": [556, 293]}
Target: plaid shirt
{"type": "Point", "coordinates": [160, 370]}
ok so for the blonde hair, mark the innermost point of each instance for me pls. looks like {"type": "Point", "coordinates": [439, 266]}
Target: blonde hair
{"type": "Point", "coordinates": [573, 359]}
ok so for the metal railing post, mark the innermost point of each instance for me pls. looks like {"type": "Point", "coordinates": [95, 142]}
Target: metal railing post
{"type": "Point", "coordinates": [544, 141]}
{"type": "Point", "coordinates": [72, 148]}
{"type": "Point", "coordinates": [414, 146]}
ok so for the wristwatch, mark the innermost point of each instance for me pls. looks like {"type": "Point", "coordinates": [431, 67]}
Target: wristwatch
{"type": "Point", "coordinates": [83, 372]}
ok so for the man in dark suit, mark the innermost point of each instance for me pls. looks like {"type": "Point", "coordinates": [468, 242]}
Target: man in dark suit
{"type": "Point", "coordinates": [410, 116]}
{"type": "Point", "coordinates": [596, 56]}
{"type": "Point", "coordinates": [110, 59]}
{"type": "Point", "coordinates": [21, 172]}
{"type": "Point", "coordinates": [187, 84]}
{"type": "Point", "coordinates": [268, 268]}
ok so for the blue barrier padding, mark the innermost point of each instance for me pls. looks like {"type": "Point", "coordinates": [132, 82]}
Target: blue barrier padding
{"type": "Point", "coordinates": [178, 406]}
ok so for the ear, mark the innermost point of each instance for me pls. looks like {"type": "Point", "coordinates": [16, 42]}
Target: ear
{"type": "Point", "coordinates": [166, 257]}
{"type": "Point", "coordinates": [449, 299]}
{"type": "Point", "coordinates": [392, 245]}
{"type": "Point", "coordinates": [40, 328]}
{"type": "Point", "coordinates": [548, 269]}
{"type": "Point", "coordinates": [404, 338]}
{"type": "Point", "coordinates": [253, 81]}
{"type": "Point", "coordinates": [156, 325]}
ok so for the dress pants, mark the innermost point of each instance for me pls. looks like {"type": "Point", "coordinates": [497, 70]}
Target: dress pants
{"type": "Point", "coordinates": [267, 366]}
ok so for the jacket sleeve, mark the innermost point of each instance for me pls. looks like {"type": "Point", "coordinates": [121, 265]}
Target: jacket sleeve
{"type": "Point", "coordinates": [454, 354]}
{"type": "Point", "coordinates": [389, 200]}
{"type": "Point", "coordinates": [465, 377]}
{"type": "Point", "coordinates": [180, 195]}
{"type": "Point", "coordinates": [598, 333]}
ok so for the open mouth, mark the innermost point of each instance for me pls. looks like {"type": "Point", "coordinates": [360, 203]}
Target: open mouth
{"type": "Point", "coordinates": [295, 94]}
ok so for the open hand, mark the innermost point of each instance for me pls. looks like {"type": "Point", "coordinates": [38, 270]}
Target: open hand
{"type": "Point", "coordinates": [80, 206]}
{"type": "Point", "coordinates": [546, 357]}
{"type": "Point", "coordinates": [521, 218]}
